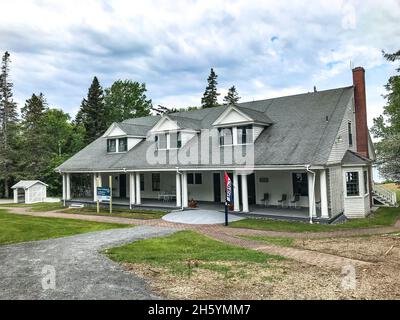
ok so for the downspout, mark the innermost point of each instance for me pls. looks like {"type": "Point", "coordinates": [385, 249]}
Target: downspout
{"type": "Point", "coordinates": [313, 192]}
{"type": "Point", "coordinates": [181, 188]}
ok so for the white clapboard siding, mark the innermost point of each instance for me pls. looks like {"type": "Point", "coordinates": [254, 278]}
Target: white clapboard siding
{"type": "Point", "coordinates": [341, 144]}
{"type": "Point", "coordinates": [335, 190]}
{"type": "Point", "coordinates": [356, 207]}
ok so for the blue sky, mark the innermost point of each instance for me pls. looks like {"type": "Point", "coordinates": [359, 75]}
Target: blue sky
{"type": "Point", "coordinates": [264, 48]}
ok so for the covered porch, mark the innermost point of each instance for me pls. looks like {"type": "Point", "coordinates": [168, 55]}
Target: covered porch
{"type": "Point", "coordinates": [278, 194]}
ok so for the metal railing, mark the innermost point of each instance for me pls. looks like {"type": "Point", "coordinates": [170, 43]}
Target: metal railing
{"type": "Point", "coordinates": [389, 196]}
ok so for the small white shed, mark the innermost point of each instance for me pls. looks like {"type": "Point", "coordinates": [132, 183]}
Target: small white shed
{"type": "Point", "coordinates": [29, 191]}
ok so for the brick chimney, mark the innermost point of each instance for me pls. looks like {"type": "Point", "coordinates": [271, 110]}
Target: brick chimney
{"type": "Point", "coordinates": [360, 111]}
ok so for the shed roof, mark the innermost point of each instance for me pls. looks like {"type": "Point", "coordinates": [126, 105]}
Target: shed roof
{"type": "Point", "coordinates": [26, 184]}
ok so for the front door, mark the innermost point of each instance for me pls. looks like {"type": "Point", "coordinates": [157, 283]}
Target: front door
{"type": "Point", "coordinates": [122, 185]}
{"type": "Point", "coordinates": [217, 187]}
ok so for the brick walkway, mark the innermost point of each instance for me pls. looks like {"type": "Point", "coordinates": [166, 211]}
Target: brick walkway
{"type": "Point", "coordinates": [230, 235]}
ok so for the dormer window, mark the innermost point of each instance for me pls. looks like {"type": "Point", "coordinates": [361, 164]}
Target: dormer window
{"type": "Point", "coordinates": [161, 141]}
{"type": "Point", "coordinates": [225, 136]}
{"type": "Point", "coordinates": [171, 140]}
{"type": "Point", "coordinates": [117, 145]}
{"type": "Point", "coordinates": [122, 144]}
{"type": "Point", "coordinates": [245, 134]}
{"type": "Point", "coordinates": [111, 145]}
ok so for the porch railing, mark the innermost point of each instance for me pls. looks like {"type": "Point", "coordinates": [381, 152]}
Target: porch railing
{"type": "Point", "coordinates": [388, 195]}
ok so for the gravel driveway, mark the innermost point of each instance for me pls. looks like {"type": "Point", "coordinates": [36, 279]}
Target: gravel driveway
{"type": "Point", "coordinates": [81, 272]}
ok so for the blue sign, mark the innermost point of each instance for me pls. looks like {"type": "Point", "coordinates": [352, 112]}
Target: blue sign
{"type": "Point", "coordinates": [103, 194]}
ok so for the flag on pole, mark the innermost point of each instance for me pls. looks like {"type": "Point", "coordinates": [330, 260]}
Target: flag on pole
{"type": "Point", "coordinates": [228, 188]}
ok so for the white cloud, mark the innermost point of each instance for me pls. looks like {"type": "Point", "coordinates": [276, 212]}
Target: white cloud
{"type": "Point", "coordinates": [58, 46]}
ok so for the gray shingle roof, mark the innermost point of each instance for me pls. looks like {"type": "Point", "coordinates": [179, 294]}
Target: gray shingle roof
{"type": "Point", "coordinates": [299, 133]}
{"type": "Point", "coordinates": [25, 184]}
{"type": "Point", "coordinates": [351, 157]}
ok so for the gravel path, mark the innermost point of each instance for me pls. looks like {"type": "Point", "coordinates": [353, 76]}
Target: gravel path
{"type": "Point", "coordinates": [81, 272]}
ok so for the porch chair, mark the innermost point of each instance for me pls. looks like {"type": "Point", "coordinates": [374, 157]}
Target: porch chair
{"type": "Point", "coordinates": [283, 199]}
{"type": "Point", "coordinates": [265, 199]}
{"type": "Point", "coordinates": [296, 199]}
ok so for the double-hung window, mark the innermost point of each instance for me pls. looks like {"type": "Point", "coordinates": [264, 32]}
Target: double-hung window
{"type": "Point", "coordinates": [225, 136]}
{"type": "Point", "coordinates": [245, 134]}
{"type": "Point", "coordinates": [122, 144]}
{"type": "Point", "coordinates": [300, 184]}
{"type": "Point", "coordinates": [112, 145]}
{"type": "Point", "coordinates": [155, 181]}
{"type": "Point", "coordinates": [352, 184]}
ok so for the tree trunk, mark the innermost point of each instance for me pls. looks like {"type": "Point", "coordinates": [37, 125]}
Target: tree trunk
{"type": "Point", "coordinates": [6, 191]}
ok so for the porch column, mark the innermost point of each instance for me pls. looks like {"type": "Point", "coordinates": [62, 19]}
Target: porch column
{"type": "Point", "coordinates": [68, 186]}
{"type": "Point", "coordinates": [15, 192]}
{"type": "Point", "coordinates": [132, 187]}
{"type": "Point", "coordinates": [324, 194]}
{"type": "Point", "coordinates": [63, 186]}
{"type": "Point", "coordinates": [184, 190]}
{"type": "Point", "coordinates": [236, 201]}
{"type": "Point", "coordinates": [138, 200]}
{"type": "Point", "coordinates": [178, 190]}
{"type": "Point", "coordinates": [96, 183]}
{"type": "Point", "coordinates": [311, 194]}
{"type": "Point", "coordinates": [245, 199]}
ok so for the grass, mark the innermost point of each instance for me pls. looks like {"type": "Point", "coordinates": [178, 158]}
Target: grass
{"type": "Point", "coordinates": [278, 241]}
{"type": "Point", "coordinates": [120, 212]}
{"type": "Point", "coordinates": [41, 206]}
{"type": "Point", "coordinates": [19, 228]}
{"type": "Point", "coordinates": [174, 252]}
{"type": "Point", "coordinates": [382, 217]}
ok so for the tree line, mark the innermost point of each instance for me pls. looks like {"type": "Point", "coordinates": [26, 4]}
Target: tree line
{"type": "Point", "coordinates": [36, 140]}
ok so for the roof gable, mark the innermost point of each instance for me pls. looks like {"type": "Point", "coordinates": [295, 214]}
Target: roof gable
{"type": "Point", "coordinates": [114, 131]}
{"type": "Point", "coordinates": [25, 184]}
{"type": "Point", "coordinates": [232, 115]}
{"type": "Point", "coordinates": [165, 124]}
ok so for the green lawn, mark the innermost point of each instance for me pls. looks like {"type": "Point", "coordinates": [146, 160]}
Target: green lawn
{"type": "Point", "coordinates": [176, 250]}
{"type": "Point", "coordinates": [41, 206]}
{"type": "Point", "coordinates": [120, 212]}
{"type": "Point", "coordinates": [19, 228]}
{"type": "Point", "coordinates": [278, 241]}
{"type": "Point", "coordinates": [382, 217]}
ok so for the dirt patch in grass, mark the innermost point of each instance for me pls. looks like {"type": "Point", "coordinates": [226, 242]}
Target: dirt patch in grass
{"type": "Point", "coordinates": [287, 279]}
{"type": "Point", "coordinates": [378, 248]}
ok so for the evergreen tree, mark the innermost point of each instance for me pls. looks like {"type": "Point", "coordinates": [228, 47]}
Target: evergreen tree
{"type": "Point", "coordinates": [387, 128]}
{"type": "Point", "coordinates": [35, 143]}
{"type": "Point", "coordinates": [8, 126]}
{"type": "Point", "coordinates": [92, 114]}
{"type": "Point", "coordinates": [210, 96]}
{"type": "Point", "coordinates": [126, 99]}
{"type": "Point", "coordinates": [232, 97]}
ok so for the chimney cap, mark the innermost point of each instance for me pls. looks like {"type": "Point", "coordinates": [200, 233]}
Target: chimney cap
{"type": "Point", "coordinates": [358, 69]}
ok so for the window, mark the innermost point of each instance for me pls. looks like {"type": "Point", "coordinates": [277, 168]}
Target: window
{"type": "Point", "coordinates": [141, 182]}
{"type": "Point", "coordinates": [155, 181]}
{"type": "Point", "coordinates": [350, 134]}
{"type": "Point", "coordinates": [161, 141]}
{"type": "Point", "coordinates": [111, 145]}
{"type": "Point", "coordinates": [122, 144]}
{"type": "Point", "coordinates": [352, 184]}
{"type": "Point", "coordinates": [194, 178]}
{"type": "Point", "coordinates": [365, 182]}
{"type": "Point", "coordinates": [175, 140]}
{"type": "Point", "coordinates": [225, 136]}
{"type": "Point", "coordinates": [198, 178]}
{"type": "Point", "coordinates": [300, 184]}
{"type": "Point", "coordinates": [245, 134]}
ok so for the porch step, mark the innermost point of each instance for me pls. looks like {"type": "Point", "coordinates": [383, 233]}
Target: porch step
{"type": "Point", "coordinates": [76, 205]}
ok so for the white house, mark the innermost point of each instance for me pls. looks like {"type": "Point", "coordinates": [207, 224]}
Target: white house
{"type": "Point", "coordinates": [29, 191]}
{"type": "Point", "coordinates": [311, 152]}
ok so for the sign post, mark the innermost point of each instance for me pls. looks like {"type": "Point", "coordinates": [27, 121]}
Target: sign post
{"type": "Point", "coordinates": [228, 195]}
{"type": "Point", "coordinates": [103, 194]}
